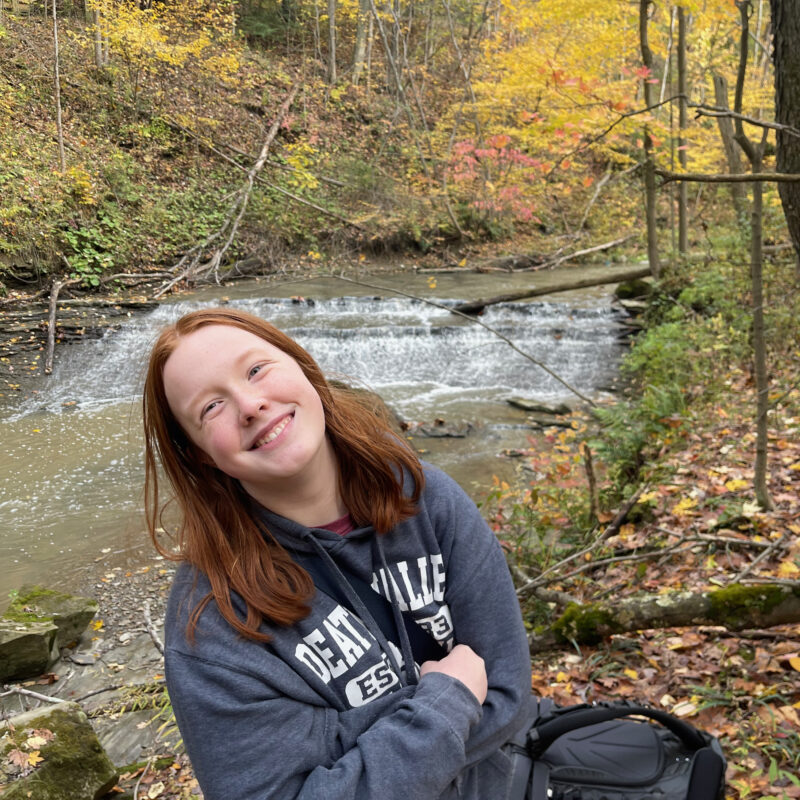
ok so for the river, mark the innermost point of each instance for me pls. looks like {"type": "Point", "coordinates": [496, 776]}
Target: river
{"type": "Point", "coordinates": [70, 483]}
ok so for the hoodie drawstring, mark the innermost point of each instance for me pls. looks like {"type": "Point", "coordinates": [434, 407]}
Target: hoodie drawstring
{"type": "Point", "coordinates": [364, 615]}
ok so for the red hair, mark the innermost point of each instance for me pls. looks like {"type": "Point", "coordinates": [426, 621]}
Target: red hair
{"type": "Point", "coordinates": [218, 533]}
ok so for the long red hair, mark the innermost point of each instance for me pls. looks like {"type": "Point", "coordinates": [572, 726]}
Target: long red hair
{"type": "Point", "coordinates": [217, 532]}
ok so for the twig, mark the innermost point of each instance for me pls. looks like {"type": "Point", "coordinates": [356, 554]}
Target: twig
{"type": "Point", "coordinates": [99, 691]}
{"type": "Point", "coordinates": [560, 599]}
{"type": "Point", "coordinates": [612, 528]}
{"type": "Point", "coordinates": [151, 629]}
{"type": "Point", "coordinates": [144, 772]}
{"type": "Point", "coordinates": [756, 561]}
{"type": "Point", "coordinates": [29, 693]}
{"type": "Point", "coordinates": [717, 111]}
{"type": "Point", "coordinates": [578, 253]}
{"type": "Point", "coordinates": [477, 322]}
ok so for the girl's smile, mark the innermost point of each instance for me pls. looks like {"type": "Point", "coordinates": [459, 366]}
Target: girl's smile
{"type": "Point", "coordinates": [251, 411]}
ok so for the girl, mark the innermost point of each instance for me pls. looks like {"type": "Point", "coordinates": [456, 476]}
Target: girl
{"type": "Point", "coordinates": [285, 691]}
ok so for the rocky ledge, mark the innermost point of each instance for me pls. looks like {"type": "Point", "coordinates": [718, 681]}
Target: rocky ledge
{"type": "Point", "coordinates": [111, 676]}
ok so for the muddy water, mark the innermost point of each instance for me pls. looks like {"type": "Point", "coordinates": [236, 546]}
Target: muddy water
{"type": "Point", "coordinates": [71, 473]}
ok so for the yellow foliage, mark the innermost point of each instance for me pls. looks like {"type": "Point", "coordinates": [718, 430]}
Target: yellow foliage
{"type": "Point", "coordinates": [559, 98]}
{"type": "Point", "coordinates": [300, 158]}
{"type": "Point", "coordinates": [79, 185]}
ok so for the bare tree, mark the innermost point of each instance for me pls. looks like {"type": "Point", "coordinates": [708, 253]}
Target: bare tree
{"type": "Point", "coordinates": [649, 163]}
{"type": "Point", "coordinates": [57, 92]}
{"type": "Point", "coordinates": [683, 222]}
{"type": "Point", "coordinates": [731, 147]}
{"type": "Point", "coordinates": [331, 42]}
{"type": "Point", "coordinates": [755, 154]}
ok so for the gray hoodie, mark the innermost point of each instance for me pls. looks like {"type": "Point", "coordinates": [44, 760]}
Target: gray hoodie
{"type": "Point", "coordinates": [327, 708]}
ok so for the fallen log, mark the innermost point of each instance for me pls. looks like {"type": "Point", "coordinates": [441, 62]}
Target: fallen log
{"type": "Point", "coordinates": [476, 306]}
{"type": "Point", "coordinates": [737, 607]}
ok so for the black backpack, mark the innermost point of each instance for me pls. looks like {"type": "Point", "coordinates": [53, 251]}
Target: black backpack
{"type": "Point", "coordinates": [596, 752]}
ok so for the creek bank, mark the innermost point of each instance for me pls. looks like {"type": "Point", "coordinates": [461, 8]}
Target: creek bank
{"type": "Point", "coordinates": [37, 625]}
{"type": "Point", "coordinates": [114, 672]}
{"type": "Point", "coordinates": [24, 330]}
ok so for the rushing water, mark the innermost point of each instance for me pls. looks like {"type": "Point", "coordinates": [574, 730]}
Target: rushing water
{"type": "Point", "coordinates": [70, 486]}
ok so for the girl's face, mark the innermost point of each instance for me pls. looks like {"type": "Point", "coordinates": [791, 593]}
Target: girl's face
{"type": "Point", "coordinates": [250, 409]}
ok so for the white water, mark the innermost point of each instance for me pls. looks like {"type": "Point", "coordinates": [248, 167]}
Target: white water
{"type": "Point", "coordinates": [71, 478]}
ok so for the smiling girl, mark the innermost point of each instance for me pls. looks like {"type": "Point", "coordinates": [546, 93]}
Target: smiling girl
{"type": "Point", "coordinates": [284, 690]}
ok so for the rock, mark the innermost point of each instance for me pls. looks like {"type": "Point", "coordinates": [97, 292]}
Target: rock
{"type": "Point", "coordinates": [54, 754]}
{"type": "Point", "coordinates": [69, 613]}
{"type": "Point", "coordinates": [542, 421]}
{"type": "Point", "coordinates": [541, 408]}
{"type": "Point", "coordinates": [441, 429]}
{"type": "Point", "coordinates": [628, 290]}
{"type": "Point", "coordinates": [27, 648]}
{"type": "Point", "coordinates": [634, 307]}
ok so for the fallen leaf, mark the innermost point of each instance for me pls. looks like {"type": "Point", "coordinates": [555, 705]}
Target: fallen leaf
{"type": "Point", "coordinates": [17, 758]}
{"type": "Point", "coordinates": [788, 569]}
{"type": "Point", "coordinates": [156, 790]}
{"type": "Point", "coordinates": [35, 742]}
{"type": "Point", "coordinates": [684, 709]}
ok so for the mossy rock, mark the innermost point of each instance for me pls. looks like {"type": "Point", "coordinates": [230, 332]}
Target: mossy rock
{"type": "Point", "coordinates": [632, 290]}
{"type": "Point", "coordinates": [27, 648]}
{"type": "Point", "coordinates": [69, 613]}
{"type": "Point", "coordinates": [53, 754]}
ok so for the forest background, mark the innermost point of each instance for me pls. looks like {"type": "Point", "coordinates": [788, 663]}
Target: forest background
{"type": "Point", "coordinates": [163, 145]}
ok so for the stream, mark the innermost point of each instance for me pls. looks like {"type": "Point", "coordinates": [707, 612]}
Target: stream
{"type": "Point", "coordinates": [71, 476]}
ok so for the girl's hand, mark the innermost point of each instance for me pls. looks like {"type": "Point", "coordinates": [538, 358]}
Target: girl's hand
{"type": "Point", "coordinates": [464, 664]}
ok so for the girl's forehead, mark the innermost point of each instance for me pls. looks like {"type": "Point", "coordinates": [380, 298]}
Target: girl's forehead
{"type": "Point", "coordinates": [221, 340]}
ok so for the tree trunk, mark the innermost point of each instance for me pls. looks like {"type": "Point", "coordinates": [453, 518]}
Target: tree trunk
{"type": "Point", "coordinates": [360, 48]}
{"type": "Point", "coordinates": [732, 149]}
{"type": "Point", "coordinates": [649, 164]}
{"type": "Point", "coordinates": [57, 93]}
{"type": "Point", "coordinates": [683, 189]}
{"type": "Point", "coordinates": [735, 608]}
{"type": "Point", "coordinates": [786, 54]}
{"type": "Point", "coordinates": [331, 42]}
{"type": "Point", "coordinates": [759, 345]}
{"type": "Point", "coordinates": [754, 153]}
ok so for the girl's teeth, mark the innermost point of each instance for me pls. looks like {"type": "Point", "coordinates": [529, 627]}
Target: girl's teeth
{"type": "Point", "coordinates": [274, 433]}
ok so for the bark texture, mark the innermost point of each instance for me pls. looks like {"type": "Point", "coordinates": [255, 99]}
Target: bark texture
{"type": "Point", "coordinates": [786, 53]}
{"type": "Point", "coordinates": [735, 608]}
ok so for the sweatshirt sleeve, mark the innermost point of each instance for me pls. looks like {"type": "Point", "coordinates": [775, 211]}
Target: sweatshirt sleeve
{"type": "Point", "coordinates": [486, 612]}
{"type": "Point", "coordinates": [291, 749]}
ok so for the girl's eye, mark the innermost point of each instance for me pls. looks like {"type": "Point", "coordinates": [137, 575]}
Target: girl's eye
{"type": "Point", "coordinates": [254, 370]}
{"type": "Point", "coordinates": [208, 408]}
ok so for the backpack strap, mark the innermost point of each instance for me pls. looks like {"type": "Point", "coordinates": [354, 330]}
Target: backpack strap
{"type": "Point", "coordinates": [547, 729]}
{"type": "Point", "coordinates": [423, 646]}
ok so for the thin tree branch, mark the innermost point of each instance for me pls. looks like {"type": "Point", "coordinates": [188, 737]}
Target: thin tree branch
{"type": "Point", "coordinates": [697, 177]}
{"type": "Point", "coordinates": [28, 693]}
{"type": "Point", "coordinates": [497, 333]}
{"type": "Point", "coordinates": [717, 111]}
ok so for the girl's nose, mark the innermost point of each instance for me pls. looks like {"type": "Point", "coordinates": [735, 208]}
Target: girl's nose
{"type": "Point", "coordinates": [250, 404]}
